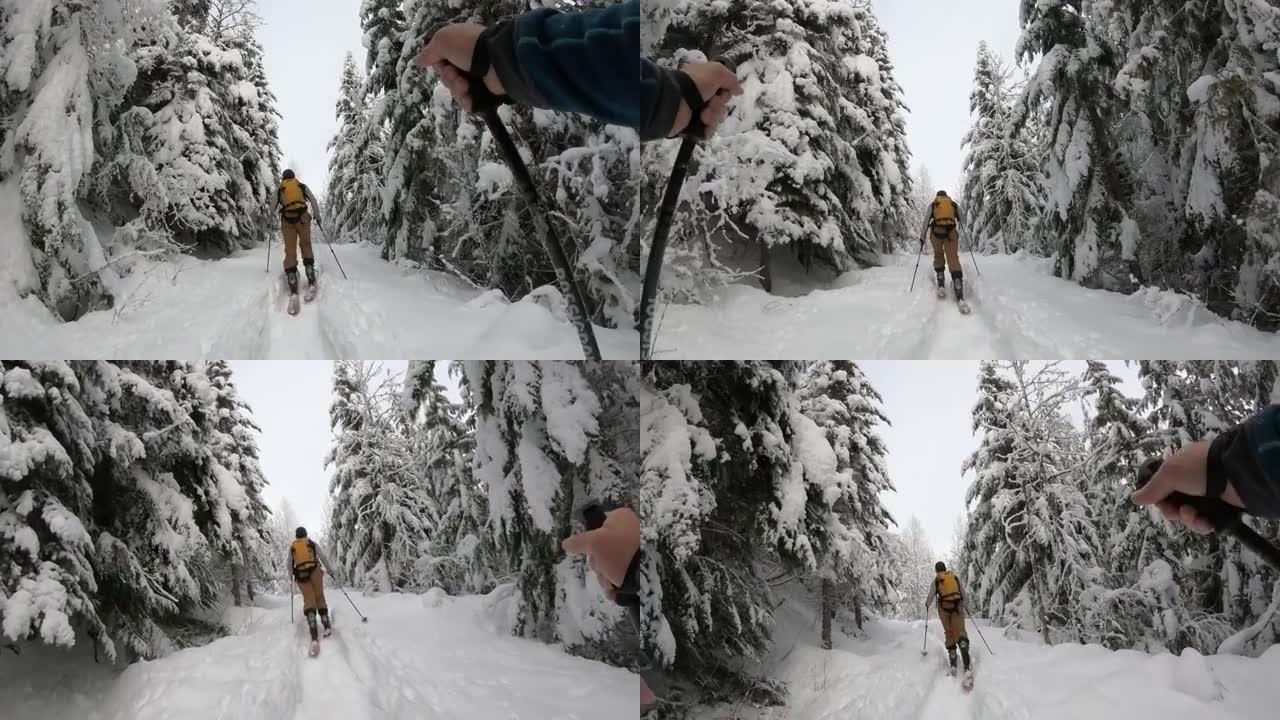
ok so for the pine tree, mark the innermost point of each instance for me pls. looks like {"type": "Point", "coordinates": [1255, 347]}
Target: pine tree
{"type": "Point", "coordinates": [825, 175]}
{"type": "Point", "coordinates": [1087, 214]}
{"type": "Point", "coordinates": [382, 513]}
{"type": "Point", "coordinates": [1002, 193]}
{"type": "Point", "coordinates": [355, 178]}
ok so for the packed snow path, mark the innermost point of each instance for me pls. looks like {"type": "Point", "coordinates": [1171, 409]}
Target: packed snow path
{"type": "Point", "coordinates": [418, 658]}
{"type": "Point", "coordinates": [884, 677]}
{"type": "Point", "coordinates": [1019, 311]}
{"type": "Point", "coordinates": [234, 308]}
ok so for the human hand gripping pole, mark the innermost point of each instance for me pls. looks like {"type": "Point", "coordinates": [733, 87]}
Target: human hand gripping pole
{"type": "Point", "coordinates": [1225, 518]}
{"type": "Point", "coordinates": [486, 104]}
{"type": "Point", "coordinates": [694, 132]}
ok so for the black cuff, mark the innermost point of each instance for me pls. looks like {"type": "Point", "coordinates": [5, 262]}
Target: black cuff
{"type": "Point", "coordinates": [666, 103]}
{"type": "Point", "coordinates": [1232, 457]}
{"type": "Point", "coordinates": [501, 44]}
{"type": "Point", "coordinates": [629, 590]}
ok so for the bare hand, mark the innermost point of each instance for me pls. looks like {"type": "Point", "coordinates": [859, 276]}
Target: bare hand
{"type": "Point", "coordinates": [1185, 471]}
{"type": "Point", "coordinates": [609, 548]}
{"type": "Point", "coordinates": [717, 84]}
{"type": "Point", "coordinates": [449, 54]}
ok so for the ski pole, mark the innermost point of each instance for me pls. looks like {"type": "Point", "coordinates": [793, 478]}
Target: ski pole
{"type": "Point", "coordinates": [353, 604]}
{"type": "Point", "coordinates": [693, 133]}
{"type": "Point", "coordinates": [974, 258]}
{"type": "Point", "coordinates": [335, 252]}
{"type": "Point", "coordinates": [914, 273]}
{"type": "Point", "coordinates": [269, 244]}
{"type": "Point", "coordinates": [984, 640]}
{"type": "Point", "coordinates": [924, 644]}
{"type": "Point", "coordinates": [1225, 518]}
{"type": "Point", "coordinates": [485, 103]}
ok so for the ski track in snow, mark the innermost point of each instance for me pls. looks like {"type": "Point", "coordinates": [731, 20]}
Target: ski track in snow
{"type": "Point", "coordinates": [189, 308]}
{"type": "Point", "coordinates": [418, 658]}
{"type": "Point", "coordinates": [1019, 310]}
{"type": "Point", "coordinates": [883, 676]}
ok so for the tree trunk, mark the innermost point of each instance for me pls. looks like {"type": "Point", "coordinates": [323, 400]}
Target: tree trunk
{"type": "Point", "coordinates": [857, 613]}
{"type": "Point", "coordinates": [827, 603]}
{"type": "Point", "coordinates": [235, 583]}
{"type": "Point", "coordinates": [766, 271]}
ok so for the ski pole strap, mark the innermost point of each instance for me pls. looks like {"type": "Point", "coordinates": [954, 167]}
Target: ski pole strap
{"type": "Point", "coordinates": [1222, 515]}
{"type": "Point", "coordinates": [482, 98]}
{"type": "Point", "coordinates": [693, 98]}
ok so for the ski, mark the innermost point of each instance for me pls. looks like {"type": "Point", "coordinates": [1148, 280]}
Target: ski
{"type": "Point", "coordinates": [942, 293]}
{"type": "Point", "coordinates": [966, 684]}
{"type": "Point", "coordinates": [963, 305]}
{"type": "Point", "coordinates": [314, 650]}
{"type": "Point", "coordinates": [310, 294]}
{"type": "Point", "coordinates": [294, 305]}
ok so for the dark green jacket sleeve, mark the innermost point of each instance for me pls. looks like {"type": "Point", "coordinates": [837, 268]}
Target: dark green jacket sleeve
{"type": "Point", "coordinates": [1249, 456]}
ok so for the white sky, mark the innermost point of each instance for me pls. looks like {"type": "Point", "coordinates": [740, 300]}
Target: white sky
{"type": "Point", "coordinates": [932, 45]}
{"type": "Point", "coordinates": [290, 402]}
{"type": "Point", "coordinates": [929, 404]}
{"type": "Point", "coordinates": [305, 42]}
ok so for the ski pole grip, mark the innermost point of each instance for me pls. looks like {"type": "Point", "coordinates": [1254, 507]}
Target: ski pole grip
{"type": "Point", "coordinates": [1222, 515]}
{"type": "Point", "coordinates": [482, 99]}
{"type": "Point", "coordinates": [594, 516]}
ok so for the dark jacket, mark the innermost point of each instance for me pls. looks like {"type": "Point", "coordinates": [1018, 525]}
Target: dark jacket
{"type": "Point", "coordinates": [586, 62]}
{"type": "Point", "coordinates": [1249, 456]}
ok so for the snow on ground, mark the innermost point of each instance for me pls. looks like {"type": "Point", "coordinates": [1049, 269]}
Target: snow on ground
{"type": "Point", "coordinates": [1019, 311]}
{"type": "Point", "coordinates": [884, 677]}
{"type": "Point", "coordinates": [189, 309]}
{"type": "Point", "coordinates": [413, 660]}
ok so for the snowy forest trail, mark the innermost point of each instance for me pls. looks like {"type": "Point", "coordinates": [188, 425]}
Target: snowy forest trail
{"type": "Point", "coordinates": [882, 675]}
{"type": "Point", "coordinates": [234, 307]}
{"type": "Point", "coordinates": [1019, 310]}
{"type": "Point", "coordinates": [418, 658]}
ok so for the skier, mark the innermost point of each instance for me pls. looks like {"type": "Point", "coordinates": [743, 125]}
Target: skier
{"type": "Point", "coordinates": [940, 225]}
{"type": "Point", "coordinates": [292, 200]}
{"type": "Point", "coordinates": [613, 551]}
{"type": "Point", "coordinates": [946, 589]}
{"type": "Point", "coordinates": [582, 62]}
{"type": "Point", "coordinates": [307, 565]}
{"type": "Point", "coordinates": [1240, 466]}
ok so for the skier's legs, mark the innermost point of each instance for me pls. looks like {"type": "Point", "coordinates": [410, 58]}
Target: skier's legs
{"type": "Point", "coordinates": [962, 640]}
{"type": "Point", "coordinates": [309, 603]}
{"type": "Point", "coordinates": [304, 240]}
{"type": "Point", "coordinates": [953, 255]}
{"type": "Point", "coordinates": [948, 634]}
{"type": "Point", "coordinates": [317, 581]}
{"type": "Point", "coordinates": [939, 258]}
{"type": "Point", "coordinates": [290, 233]}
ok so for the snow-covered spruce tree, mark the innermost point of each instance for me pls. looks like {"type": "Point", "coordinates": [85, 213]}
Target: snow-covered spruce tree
{"type": "Point", "coordinates": [236, 449]}
{"type": "Point", "coordinates": [1003, 192]}
{"type": "Point", "coordinates": [48, 454]}
{"type": "Point", "coordinates": [812, 161]}
{"type": "Point", "coordinates": [913, 570]}
{"type": "Point", "coordinates": [1198, 78]}
{"type": "Point", "coordinates": [280, 532]}
{"type": "Point", "coordinates": [204, 119]}
{"type": "Point", "coordinates": [1087, 216]}
{"type": "Point", "coordinates": [841, 402]}
{"type": "Point", "coordinates": [129, 555]}
{"type": "Point", "coordinates": [1031, 518]}
{"type": "Point", "coordinates": [65, 66]}
{"type": "Point", "coordinates": [537, 453]}
{"type": "Point", "coordinates": [449, 200]}
{"type": "Point", "coordinates": [355, 165]}
{"type": "Point", "coordinates": [460, 555]}
{"type": "Point", "coordinates": [737, 485]}
{"type": "Point", "coordinates": [382, 512]}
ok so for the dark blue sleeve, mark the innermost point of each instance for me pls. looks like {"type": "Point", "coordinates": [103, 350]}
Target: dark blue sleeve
{"type": "Point", "coordinates": [1249, 456]}
{"type": "Point", "coordinates": [584, 62]}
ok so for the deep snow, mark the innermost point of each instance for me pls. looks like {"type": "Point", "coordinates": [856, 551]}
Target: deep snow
{"type": "Point", "coordinates": [883, 676]}
{"type": "Point", "coordinates": [418, 658]}
{"type": "Point", "coordinates": [1019, 311]}
{"type": "Point", "coordinates": [191, 309]}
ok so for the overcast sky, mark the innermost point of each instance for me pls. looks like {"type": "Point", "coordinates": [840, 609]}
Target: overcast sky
{"type": "Point", "coordinates": [932, 44]}
{"type": "Point", "coordinates": [290, 402]}
{"type": "Point", "coordinates": [929, 403]}
{"type": "Point", "coordinates": [305, 43]}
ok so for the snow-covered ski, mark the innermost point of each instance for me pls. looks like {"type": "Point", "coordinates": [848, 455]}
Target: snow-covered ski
{"type": "Point", "coordinates": [310, 293]}
{"type": "Point", "coordinates": [295, 305]}
{"type": "Point", "coordinates": [966, 683]}
{"type": "Point", "coordinates": [942, 293]}
{"type": "Point", "coordinates": [314, 649]}
{"type": "Point", "coordinates": [963, 305]}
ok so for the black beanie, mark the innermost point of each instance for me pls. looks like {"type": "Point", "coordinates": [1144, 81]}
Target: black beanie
{"type": "Point", "coordinates": [288, 175]}
{"type": "Point", "coordinates": [301, 532]}
{"type": "Point", "coordinates": [937, 568]}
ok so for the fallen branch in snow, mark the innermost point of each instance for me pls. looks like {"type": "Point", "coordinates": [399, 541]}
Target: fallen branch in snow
{"type": "Point", "coordinates": [144, 253]}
